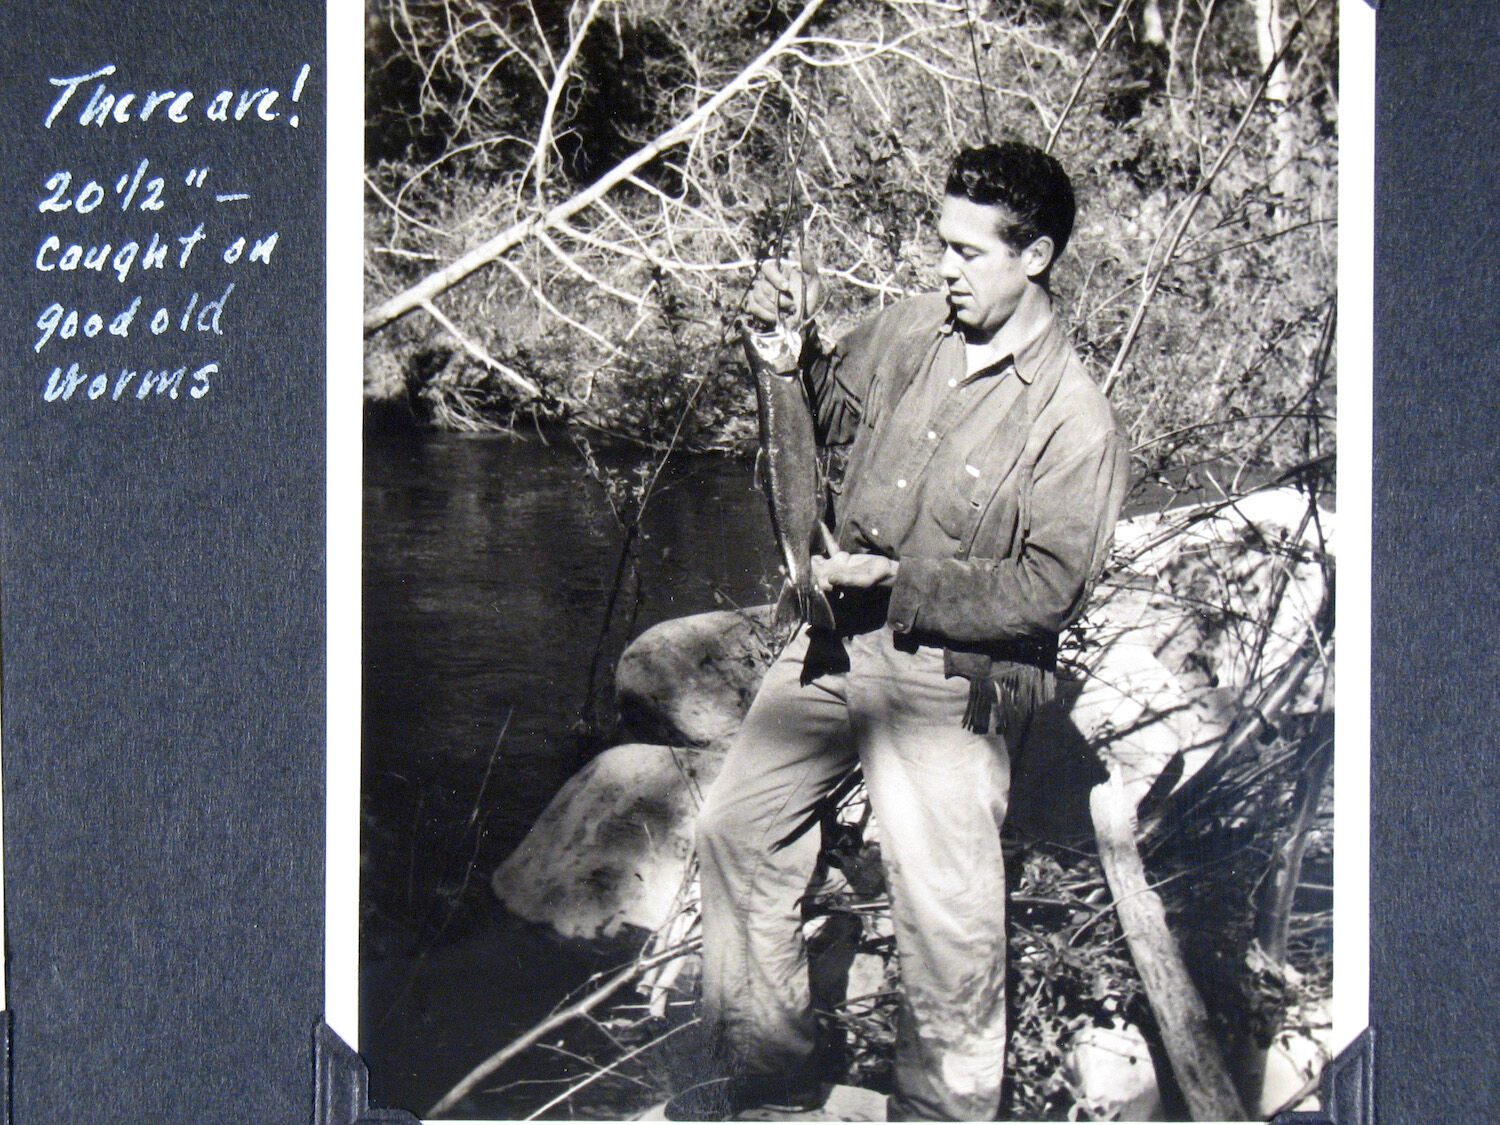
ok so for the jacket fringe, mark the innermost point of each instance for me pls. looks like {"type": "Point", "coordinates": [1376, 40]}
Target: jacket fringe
{"type": "Point", "coordinates": [1007, 698]}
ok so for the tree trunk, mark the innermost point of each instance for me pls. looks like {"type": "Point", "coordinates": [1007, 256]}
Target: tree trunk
{"type": "Point", "coordinates": [1269, 41]}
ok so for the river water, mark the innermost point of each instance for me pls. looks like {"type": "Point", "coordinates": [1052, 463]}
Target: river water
{"type": "Point", "coordinates": [488, 565]}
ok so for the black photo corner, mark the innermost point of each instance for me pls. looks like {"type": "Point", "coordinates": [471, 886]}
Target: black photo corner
{"type": "Point", "coordinates": [162, 574]}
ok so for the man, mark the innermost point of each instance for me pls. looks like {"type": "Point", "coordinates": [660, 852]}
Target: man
{"type": "Point", "coordinates": [983, 479]}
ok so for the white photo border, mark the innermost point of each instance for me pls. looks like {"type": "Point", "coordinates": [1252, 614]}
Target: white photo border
{"type": "Point", "coordinates": [345, 170]}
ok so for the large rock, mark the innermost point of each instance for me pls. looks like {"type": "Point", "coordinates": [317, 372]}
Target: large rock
{"type": "Point", "coordinates": [1218, 593]}
{"type": "Point", "coordinates": [689, 681]}
{"type": "Point", "coordinates": [1199, 606]}
{"type": "Point", "coordinates": [611, 848]}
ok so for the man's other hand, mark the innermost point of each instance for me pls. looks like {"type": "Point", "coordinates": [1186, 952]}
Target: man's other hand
{"type": "Point", "coordinates": [844, 569]}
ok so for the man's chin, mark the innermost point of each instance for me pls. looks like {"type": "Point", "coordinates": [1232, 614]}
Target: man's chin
{"type": "Point", "coordinates": [965, 316]}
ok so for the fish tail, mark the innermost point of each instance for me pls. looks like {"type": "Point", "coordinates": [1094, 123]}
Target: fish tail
{"type": "Point", "coordinates": [789, 608]}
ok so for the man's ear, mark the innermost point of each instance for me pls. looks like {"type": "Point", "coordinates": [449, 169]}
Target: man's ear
{"type": "Point", "coordinates": [1038, 256]}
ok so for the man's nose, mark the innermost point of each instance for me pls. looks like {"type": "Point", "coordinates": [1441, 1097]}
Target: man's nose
{"type": "Point", "coordinates": [948, 265]}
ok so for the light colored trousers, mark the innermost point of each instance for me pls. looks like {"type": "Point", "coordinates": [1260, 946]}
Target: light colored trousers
{"type": "Point", "coordinates": [939, 795]}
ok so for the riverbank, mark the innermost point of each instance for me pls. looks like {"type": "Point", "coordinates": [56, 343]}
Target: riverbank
{"type": "Point", "coordinates": [607, 861]}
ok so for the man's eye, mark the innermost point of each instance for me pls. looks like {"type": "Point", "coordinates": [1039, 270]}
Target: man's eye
{"type": "Point", "coordinates": [967, 253]}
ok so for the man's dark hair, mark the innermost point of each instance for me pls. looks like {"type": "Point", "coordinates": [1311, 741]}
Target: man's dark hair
{"type": "Point", "coordinates": [1027, 182]}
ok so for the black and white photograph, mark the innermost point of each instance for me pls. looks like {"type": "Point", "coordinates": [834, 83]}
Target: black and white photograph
{"type": "Point", "coordinates": [850, 528]}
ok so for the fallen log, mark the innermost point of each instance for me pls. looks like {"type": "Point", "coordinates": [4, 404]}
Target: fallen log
{"type": "Point", "coordinates": [1196, 1059]}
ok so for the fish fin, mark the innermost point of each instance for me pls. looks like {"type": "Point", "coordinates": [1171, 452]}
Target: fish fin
{"type": "Point", "coordinates": [820, 611]}
{"type": "Point", "coordinates": [830, 541]}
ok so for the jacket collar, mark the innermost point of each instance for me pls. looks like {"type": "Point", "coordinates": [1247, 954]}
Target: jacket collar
{"type": "Point", "coordinates": [1032, 357]}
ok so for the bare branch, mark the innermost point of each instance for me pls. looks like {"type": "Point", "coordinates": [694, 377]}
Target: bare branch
{"type": "Point", "coordinates": [1101, 42]}
{"type": "Point", "coordinates": [435, 283]}
{"type": "Point", "coordinates": [553, 1022]}
{"type": "Point", "coordinates": [509, 374]}
{"type": "Point", "coordinates": [541, 153]}
{"type": "Point", "coordinates": [1151, 280]}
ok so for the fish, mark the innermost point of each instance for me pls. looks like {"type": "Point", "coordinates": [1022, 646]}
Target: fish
{"type": "Point", "coordinates": [788, 472]}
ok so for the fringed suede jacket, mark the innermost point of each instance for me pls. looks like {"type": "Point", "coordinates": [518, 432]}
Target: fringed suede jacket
{"type": "Point", "coordinates": [997, 492]}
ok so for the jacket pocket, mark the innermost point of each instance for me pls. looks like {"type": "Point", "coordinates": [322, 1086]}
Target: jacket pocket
{"type": "Point", "coordinates": [965, 494]}
{"type": "Point", "coordinates": [981, 487]}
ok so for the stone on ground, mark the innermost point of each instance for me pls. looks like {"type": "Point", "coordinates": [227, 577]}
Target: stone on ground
{"type": "Point", "coordinates": [1110, 1070]}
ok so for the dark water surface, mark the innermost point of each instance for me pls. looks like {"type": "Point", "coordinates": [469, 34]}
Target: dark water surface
{"type": "Point", "coordinates": [488, 565]}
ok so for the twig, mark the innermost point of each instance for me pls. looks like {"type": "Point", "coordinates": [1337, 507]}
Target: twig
{"type": "Point", "coordinates": [1099, 45]}
{"type": "Point", "coordinates": [544, 139]}
{"type": "Point", "coordinates": [400, 214]}
{"type": "Point", "coordinates": [535, 289]}
{"type": "Point", "coordinates": [554, 1021]}
{"type": "Point", "coordinates": [1255, 718]}
{"type": "Point", "coordinates": [598, 1074]}
{"type": "Point", "coordinates": [510, 375]}
{"type": "Point", "coordinates": [637, 300]}
{"type": "Point", "coordinates": [1205, 512]}
{"type": "Point", "coordinates": [484, 784]}
{"type": "Point", "coordinates": [984, 101]}
{"type": "Point", "coordinates": [457, 898]}
{"type": "Point", "coordinates": [1216, 423]}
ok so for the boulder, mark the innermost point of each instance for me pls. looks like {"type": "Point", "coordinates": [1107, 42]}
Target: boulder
{"type": "Point", "coordinates": [1218, 593]}
{"type": "Point", "coordinates": [689, 681]}
{"type": "Point", "coordinates": [611, 848]}
{"type": "Point", "coordinates": [1172, 645]}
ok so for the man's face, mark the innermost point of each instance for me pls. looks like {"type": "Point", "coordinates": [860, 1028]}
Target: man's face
{"type": "Point", "coordinates": [986, 278]}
